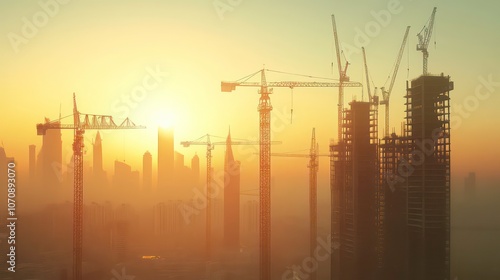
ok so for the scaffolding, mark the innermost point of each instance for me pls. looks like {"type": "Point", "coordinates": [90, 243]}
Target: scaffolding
{"type": "Point", "coordinates": [428, 191]}
{"type": "Point", "coordinates": [392, 226]}
{"type": "Point", "coordinates": [354, 185]}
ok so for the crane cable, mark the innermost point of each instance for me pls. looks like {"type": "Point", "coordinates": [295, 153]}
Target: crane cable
{"type": "Point", "coordinates": [302, 75]}
{"type": "Point", "coordinates": [246, 78]}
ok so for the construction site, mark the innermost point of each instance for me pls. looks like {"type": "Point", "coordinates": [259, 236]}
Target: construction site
{"type": "Point", "coordinates": [389, 204]}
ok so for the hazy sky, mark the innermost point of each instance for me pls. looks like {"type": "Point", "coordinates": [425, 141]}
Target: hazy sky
{"type": "Point", "coordinates": [105, 52]}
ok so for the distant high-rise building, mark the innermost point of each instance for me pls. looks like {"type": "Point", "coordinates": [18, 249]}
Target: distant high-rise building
{"type": "Point", "coordinates": [120, 238]}
{"type": "Point", "coordinates": [250, 223]}
{"type": "Point", "coordinates": [123, 174]}
{"type": "Point", "coordinates": [97, 169]}
{"type": "Point", "coordinates": [165, 157]}
{"type": "Point", "coordinates": [195, 168]}
{"type": "Point", "coordinates": [179, 163]}
{"type": "Point", "coordinates": [231, 199]}
{"type": "Point", "coordinates": [470, 186]}
{"type": "Point", "coordinates": [354, 171]}
{"type": "Point", "coordinates": [217, 221]}
{"type": "Point", "coordinates": [97, 159]}
{"type": "Point", "coordinates": [32, 163]}
{"type": "Point", "coordinates": [135, 178]}
{"type": "Point", "coordinates": [147, 171]}
{"type": "Point", "coordinates": [167, 219]}
{"type": "Point", "coordinates": [50, 159]}
{"type": "Point", "coordinates": [428, 198]}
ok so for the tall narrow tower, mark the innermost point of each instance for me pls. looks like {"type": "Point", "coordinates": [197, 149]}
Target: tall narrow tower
{"type": "Point", "coordinates": [98, 171]}
{"type": "Point", "coordinates": [50, 158]}
{"type": "Point", "coordinates": [195, 168]}
{"type": "Point", "coordinates": [354, 194]}
{"type": "Point", "coordinates": [32, 163]}
{"type": "Point", "coordinates": [231, 199]}
{"type": "Point", "coordinates": [147, 171]}
{"type": "Point", "coordinates": [165, 157]}
{"type": "Point", "coordinates": [97, 160]}
{"type": "Point", "coordinates": [428, 198]}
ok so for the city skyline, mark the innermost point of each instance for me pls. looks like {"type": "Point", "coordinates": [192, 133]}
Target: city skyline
{"type": "Point", "coordinates": [103, 105]}
{"type": "Point", "coordinates": [170, 96]}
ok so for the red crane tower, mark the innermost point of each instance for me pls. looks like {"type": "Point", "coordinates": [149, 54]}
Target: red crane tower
{"type": "Point", "coordinates": [81, 122]}
{"type": "Point", "coordinates": [265, 109]}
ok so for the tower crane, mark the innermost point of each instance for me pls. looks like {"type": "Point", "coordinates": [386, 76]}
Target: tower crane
{"type": "Point", "coordinates": [386, 94]}
{"type": "Point", "coordinates": [424, 37]}
{"type": "Point", "coordinates": [81, 122]}
{"type": "Point", "coordinates": [265, 109]}
{"type": "Point", "coordinates": [313, 191]}
{"type": "Point", "coordinates": [343, 78]}
{"type": "Point", "coordinates": [210, 146]}
{"type": "Point", "coordinates": [372, 99]}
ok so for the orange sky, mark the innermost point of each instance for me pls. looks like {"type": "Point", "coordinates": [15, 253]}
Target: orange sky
{"type": "Point", "coordinates": [103, 52]}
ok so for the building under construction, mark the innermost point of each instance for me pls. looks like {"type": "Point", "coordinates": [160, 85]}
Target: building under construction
{"type": "Point", "coordinates": [354, 184]}
{"type": "Point", "coordinates": [428, 198]}
{"type": "Point", "coordinates": [392, 233]}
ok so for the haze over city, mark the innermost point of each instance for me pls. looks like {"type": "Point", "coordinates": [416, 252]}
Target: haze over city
{"type": "Point", "coordinates": [161, 64]}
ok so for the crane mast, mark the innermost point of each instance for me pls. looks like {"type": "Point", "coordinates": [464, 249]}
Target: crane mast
{"type": "Point", "coordinates": [264, 109]}
{"type": "Point", "coordinates": [313, 191]}
{"type": "Point", "coordinates": [79, 127]}
{"type": "Point", "coordinates": [77, 194]}
{"type": "Point", "coordinates": [424, 37]}
{"type": "Point", "coordinates": [313, 198]}
{"type": "Point", "coordinates": [342, 79]}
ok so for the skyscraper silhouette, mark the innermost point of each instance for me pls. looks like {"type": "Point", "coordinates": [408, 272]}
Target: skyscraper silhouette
{"type": "Point", "coordinates": [231, 199]}
{"type": "Point", "coordinates": [99, 174]}
{"type": "Point", "coordinates": [178, 165]}
{"type": "Point", "coordinates": [354, 194]}
{"type": "Point", "coordinates": [428, 198]}
{"type": "Point", "coordinates": [97, 154]}
{"type": "Point", "coordinates": [147, 171]}
{"type": "Point", "coordinates": [195, 168]}
{"type": "Point", "coordinates": [165, 157]}
{"type": "Point", "coordinates": [32, 164]}
{"type": "Point", "coordinates": [123, 175]}
{"type": "Point", "coordinates": [50, 159]}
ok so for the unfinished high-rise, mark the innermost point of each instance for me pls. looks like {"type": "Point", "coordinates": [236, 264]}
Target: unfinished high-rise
{"type": "Point", "coordinates": [428, 177]}
{"type": "Point", "coordinates": [354, 185]}
{"type": "Point", "coordinates": [393, 232]}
